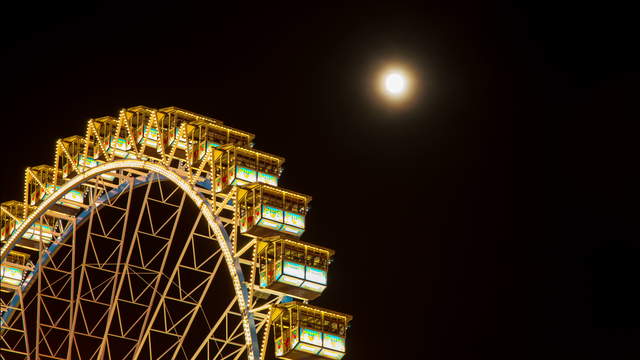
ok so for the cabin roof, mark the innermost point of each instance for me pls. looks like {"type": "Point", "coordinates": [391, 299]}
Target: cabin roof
{"type": "Point", "coordinates": [253, 151]}
{"type": "Point", "coordinates": [316, 308]}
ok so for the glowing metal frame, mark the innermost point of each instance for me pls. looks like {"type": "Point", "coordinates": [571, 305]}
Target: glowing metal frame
{"type": "Point", "coordinates": [174, 162]}
{"type": "Point", "coordinates": [204, 207]}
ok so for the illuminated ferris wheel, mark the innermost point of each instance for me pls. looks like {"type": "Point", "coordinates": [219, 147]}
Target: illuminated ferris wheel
{"type": "Point", "coordinates": [162, 234]}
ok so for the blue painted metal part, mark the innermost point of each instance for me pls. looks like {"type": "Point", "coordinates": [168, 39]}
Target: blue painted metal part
{"type": "Point", "coordinates": [80, 219]}
{"type": "Point", "coordinates": [83, 216]}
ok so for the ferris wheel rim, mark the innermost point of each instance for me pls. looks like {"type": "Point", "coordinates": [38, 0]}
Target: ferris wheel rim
{"type": "Point", "coordinates": [201, 203]}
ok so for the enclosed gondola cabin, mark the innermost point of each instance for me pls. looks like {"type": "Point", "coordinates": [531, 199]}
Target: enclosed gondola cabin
{"type": "Point", "coordinates": [75, 155]}
{"type": "Point", "coordinates": [237, 165]}
{"type": "Point", "coordinates": [12, 215]}
{"type": "Point", "coordinates": [13, 270]}
{"type": "Point", "coordinates": [270, 211]}
{"type": "Point", "coordinates": [203, 132]}
{"type": "Point", "coordinates": [143, 129]}
{"type": "Point", "coordinates": [70, 160]}
{"type": "Point", "coordinates": [138, 118]}
{"type": "Point", "coordinates": [113, 137]}
{"type": "Point", "coordinates": [293, 267]}
{"type": "Point", "coordinates": [41, 181]}
{"type": "Point", "coordinates": [140, 129]}
{"type": "Point", "coordinates": [154, 132]}
{"type": "Point", "coordinates": [306, 332]}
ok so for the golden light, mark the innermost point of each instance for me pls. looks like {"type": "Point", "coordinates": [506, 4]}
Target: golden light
{"type": "Point", "coordinates": [395, 83]}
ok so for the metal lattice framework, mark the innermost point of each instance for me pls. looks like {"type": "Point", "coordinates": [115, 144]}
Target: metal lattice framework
{"type": "Point", "coordinates": [147, 261]}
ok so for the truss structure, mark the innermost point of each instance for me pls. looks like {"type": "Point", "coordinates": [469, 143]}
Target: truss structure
{"type": "Point", "coordinates": [135, 246]}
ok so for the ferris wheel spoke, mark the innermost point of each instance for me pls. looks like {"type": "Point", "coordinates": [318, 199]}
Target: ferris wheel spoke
{"type": "Point", "coordinates": [194, 313]}
{"type": "Point", "coordinates": [15, 329]}
{"type": "Point", "coordinates": [227, 340]}
{"type": "Point", "coordinates": [218, 323]}
{"type": "Point", "coordinates": [103, 239]}
{"type": "Point", "coordinates": [223, 337]}
{"type": "Point", "coordinates": [47, 320]}
{"type": "Point", "coordinates": [201, 270]}
{"type": "Point", "coordinates": [146, 260]}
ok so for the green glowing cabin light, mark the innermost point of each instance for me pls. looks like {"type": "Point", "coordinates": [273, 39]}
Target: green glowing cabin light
{"type": "Point", "coordinates": [12, 271]}
{"type": "Point", "coordinates": [294, 219]}
{"type": "Point", "coordinates": [151, 139]}
{"type": "Point", "coordinates": [120, 143]}
{"type": "Point", "coordinates": [330, 354]}
{"type": "Point", "coordinates": [88, 162]}
{"type": "Point", "coordinates": [311, 337]}
{"type": "Point", "coordinates": [37, 231]}
{"type": "Point", "coordinates": [272, 213]}
{"type": "Point", "coordinates": [246, 174]}
{"type": "Point", "coordinates": [120, 147]}
{"type": "Point", "coordinates": [292, 230]}
{"type": "Point", "coordinates": [311, 349]}
{"type": "Point", "coordinates": [73, 195]}
{"type": "Point", "coordinates": [11, 275]}
{"type": "Point", "coordinates": [182, 142]}
{"type": "Point", "coordinates": [293, 269]}
{"type": "Point", "coordinates": [290, 280]}
{"type": "Point", "coordinates": [267, 179]}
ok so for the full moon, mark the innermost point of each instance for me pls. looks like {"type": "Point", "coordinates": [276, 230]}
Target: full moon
{"type": "Point", "coordinates": [395, 83]}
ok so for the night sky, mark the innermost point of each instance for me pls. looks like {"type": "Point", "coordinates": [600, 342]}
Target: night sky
{"type": "Point", "coordinates": [491, 217]}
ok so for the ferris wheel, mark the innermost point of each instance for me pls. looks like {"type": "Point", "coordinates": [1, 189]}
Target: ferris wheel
{"type": "Point", "coordinates": [162, 234]}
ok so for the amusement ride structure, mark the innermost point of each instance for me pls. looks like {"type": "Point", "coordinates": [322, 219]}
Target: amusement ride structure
{"type": "Point", "coordinates": [162, 234]}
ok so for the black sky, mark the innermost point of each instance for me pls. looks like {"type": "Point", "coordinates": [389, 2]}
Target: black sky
{"type": "Point", "coordinates": [490, 219]}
